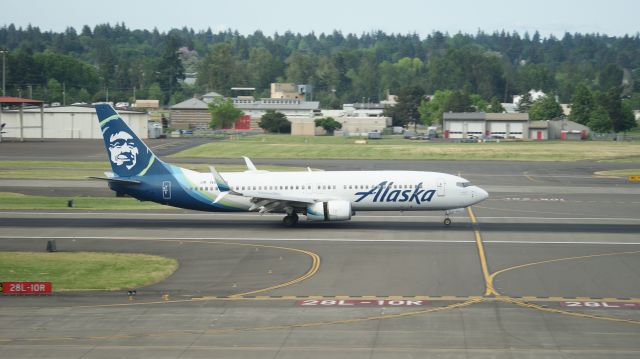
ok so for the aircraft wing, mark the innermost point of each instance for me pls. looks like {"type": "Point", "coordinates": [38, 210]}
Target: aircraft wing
{"type": "Point", "coordinates": [269, 202]}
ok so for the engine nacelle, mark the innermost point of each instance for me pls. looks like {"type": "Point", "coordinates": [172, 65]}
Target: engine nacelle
{"type": "Point", "coordinates": [329, 211]}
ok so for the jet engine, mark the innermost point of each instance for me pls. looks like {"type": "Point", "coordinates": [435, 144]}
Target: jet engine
{"type": "Point", "coordinates": [329, 211]}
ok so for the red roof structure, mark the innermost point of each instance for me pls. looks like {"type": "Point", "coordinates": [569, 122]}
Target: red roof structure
{"type": "Point", "coordinates": [18, 100]}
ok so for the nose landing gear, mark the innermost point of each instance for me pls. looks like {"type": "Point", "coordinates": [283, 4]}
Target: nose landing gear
{"type": "Point", "coordinates": [447, 221]}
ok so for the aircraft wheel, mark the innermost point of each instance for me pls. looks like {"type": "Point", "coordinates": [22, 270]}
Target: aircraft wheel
{"type": "Point", "coordinates": [290, 220]}
{"type": "Point", "coordinates": [447, 221]}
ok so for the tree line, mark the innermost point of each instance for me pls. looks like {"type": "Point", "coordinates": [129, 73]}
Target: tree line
{"type": "Point", "coordinates": [118, 63]}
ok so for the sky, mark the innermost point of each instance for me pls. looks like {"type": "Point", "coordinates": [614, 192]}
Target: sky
{"type": "Point", "coordinates": [549, 17]}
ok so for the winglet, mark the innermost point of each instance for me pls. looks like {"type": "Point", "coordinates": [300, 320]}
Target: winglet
{"type": "Point", "coordinates": [223, 186]}
{"type": "Point", "coordinates": [250, 165]}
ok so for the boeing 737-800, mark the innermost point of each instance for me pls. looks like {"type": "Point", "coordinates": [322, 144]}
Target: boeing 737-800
{"type": "Point", "coordinates": [318, 195]}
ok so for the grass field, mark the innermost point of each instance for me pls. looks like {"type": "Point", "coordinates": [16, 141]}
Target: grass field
{"type": "Point", "coordinates": [12, 201]}
{"type": "Point", "coordinates": [86, 270]}
{"type": "Point", "coordinates": [395, 148]}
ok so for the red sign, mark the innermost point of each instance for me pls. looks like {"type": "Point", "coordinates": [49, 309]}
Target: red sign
{"type": "Point", "coordinates": [14, 288]}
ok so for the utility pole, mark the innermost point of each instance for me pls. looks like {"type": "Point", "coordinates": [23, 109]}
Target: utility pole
{"type": "Point", "coordinates": [64, 94]}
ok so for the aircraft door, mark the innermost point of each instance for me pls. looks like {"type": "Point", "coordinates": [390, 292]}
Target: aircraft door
{"type": "Point", "coordinates": [166, 189]}
{"type": "Point", "coordinates": [440, 189]}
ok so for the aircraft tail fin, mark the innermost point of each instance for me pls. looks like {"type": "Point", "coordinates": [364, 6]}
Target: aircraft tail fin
{"type": "Point", "coordinates": [129, 156]}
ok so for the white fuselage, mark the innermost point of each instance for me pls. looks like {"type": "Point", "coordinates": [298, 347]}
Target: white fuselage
{"type": "Point", "coordinates": [365, 190]}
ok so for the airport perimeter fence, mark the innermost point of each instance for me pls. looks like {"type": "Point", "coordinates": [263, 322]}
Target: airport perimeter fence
{"type": "Point", "coordinates": [614, 137]}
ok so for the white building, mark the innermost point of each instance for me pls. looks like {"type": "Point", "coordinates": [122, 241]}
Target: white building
{"type": "Point", "coordinates": [66, 122]}
{"type": "Point", "coordinates": [459, 125]}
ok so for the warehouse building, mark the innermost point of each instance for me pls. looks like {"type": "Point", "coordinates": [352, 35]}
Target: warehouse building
{"type": "Point", "coordinates": [65, 122]}
{"type": "Point", "coordinates": [462, 125]}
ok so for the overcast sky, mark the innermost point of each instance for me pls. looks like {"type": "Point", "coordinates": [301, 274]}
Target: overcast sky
{"type": "Point", "coordinates": [611, 17]}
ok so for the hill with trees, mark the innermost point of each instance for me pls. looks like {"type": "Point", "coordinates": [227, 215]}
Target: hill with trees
{"type": "Point", "coordinates": [119, 64]}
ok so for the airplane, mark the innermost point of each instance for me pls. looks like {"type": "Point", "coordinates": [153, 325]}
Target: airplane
{"type": "Point", "coordinates": [319, 195]}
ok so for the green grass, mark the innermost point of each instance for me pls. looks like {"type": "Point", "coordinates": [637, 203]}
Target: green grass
{"type": "Point", "coordinates": [18, 201]}
{"type": "Point", "coordinates": [395, 148]}
{"type": "Point", "coordinates": [74, 170]}
{"type": "Point", "coordinates": [86, 270]}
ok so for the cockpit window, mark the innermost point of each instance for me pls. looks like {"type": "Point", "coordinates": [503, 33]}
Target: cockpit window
{"type": "Point", "coordinates": [464, 184]}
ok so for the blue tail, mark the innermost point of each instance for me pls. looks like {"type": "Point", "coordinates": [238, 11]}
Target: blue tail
{"type": "Point", "coordinates": [129, 156]}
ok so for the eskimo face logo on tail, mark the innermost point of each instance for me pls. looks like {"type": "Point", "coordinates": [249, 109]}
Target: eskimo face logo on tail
{"type": "Point", "coordinates": [384, 192]}
{"type": "Point", "coordinates": [123, 150]}
{"type": "Point", "coordinates": [127, 154]}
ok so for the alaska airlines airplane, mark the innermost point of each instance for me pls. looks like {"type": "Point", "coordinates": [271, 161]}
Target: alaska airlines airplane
{"type": "Point", "coordinates": [319, 195]}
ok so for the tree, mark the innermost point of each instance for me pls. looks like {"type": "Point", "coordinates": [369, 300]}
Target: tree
{"type": "Point", "coordinates": [155, 92]}
{"type": "Point", "coordinates": [406, 109]}
{"type": "Point", "coordinates": [55, 90]}
{"type": "Point", "coordinates": [582, 105]}
{"type": "Point", "coordinates": [545, 108]}
{"type": "Point", "coordinates": [459, 101]}
{"type": "Point", "coordinates": [275, 122]}
{"type": "Point", "coordinates": [425, 113]}
{"type": "Point", "coordinates": [223, 113]}
{"type": "Point", "coordinates": [610, 76]}
{"type": "Point", "coordinates": [495, 106]}
{"type": "Point", "coordinates": [525, 103]}
{"type": "Point", "coordinates": [220, 70]}
{"type": "Point", "coordinates": [328, 124]}
{"type": "Point", "coordinates": [622, 118]}
{"type": "Point", "coordinates": [170, 68]}
{"type": "Point", "coordinates": [599, 120]}
{"type": "Point", "coordinates": [431, 111]}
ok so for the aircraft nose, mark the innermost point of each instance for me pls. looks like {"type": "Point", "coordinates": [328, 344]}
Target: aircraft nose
{"type": "Point", "coordinates": [482, 194]}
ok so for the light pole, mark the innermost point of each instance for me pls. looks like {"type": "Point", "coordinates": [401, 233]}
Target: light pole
{"type": "Point", "coordinates": [4, 55]}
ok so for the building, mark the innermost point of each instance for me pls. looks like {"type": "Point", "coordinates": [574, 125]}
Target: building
{"type": "Point", "coordinates": [567, 130]}
{"type": "Point", "coordinates": [147, 104]}
{"type": "Point", "coordinates": [66, 122]}
{"type": "Point", "coordinates": [210, 96]}
{"type": "Point", "coordinates": [460, 125]}
{"type": "Point", "coordinates": [190, 114]}
{"type": "Point", "coordinates": [539, 130]}
{"type": "Point", "coordinates": [289, 91]}
{"type": "Point", "coordinates": [294, 109]}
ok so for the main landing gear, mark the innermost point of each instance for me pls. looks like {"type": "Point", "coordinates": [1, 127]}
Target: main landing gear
{"type": "Point", "coordinates": [447, 221]}
{"type": "Point", "coordinates": [290, 220]}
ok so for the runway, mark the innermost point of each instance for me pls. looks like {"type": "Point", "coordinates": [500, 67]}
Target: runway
{"type": "Point", "coordinates": [247, 287]}
{"type": "Point", "coordinates": [548, 267]}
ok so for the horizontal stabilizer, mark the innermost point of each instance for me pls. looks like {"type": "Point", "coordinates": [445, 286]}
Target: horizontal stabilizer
{"type": "Point", "coordinates": [115, 179]}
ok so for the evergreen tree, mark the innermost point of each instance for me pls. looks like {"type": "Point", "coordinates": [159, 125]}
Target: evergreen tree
{"type": "Point", "coordinates": [525, 103]}
{"type": "Point", "coordinates": [275, 122]}
{"type": "Point", "coordinates": [599, 120]}
{"type": "Point", "coordinates": [170, 68]}
{"type": "Point", "coordinates": [582, 105]}
{"type": "Point", "coordinates": [495, 106]}
{"type": "Point", "coordinates": [406, 109]}
{"type": "Point", "coordinates": [545, 108]}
